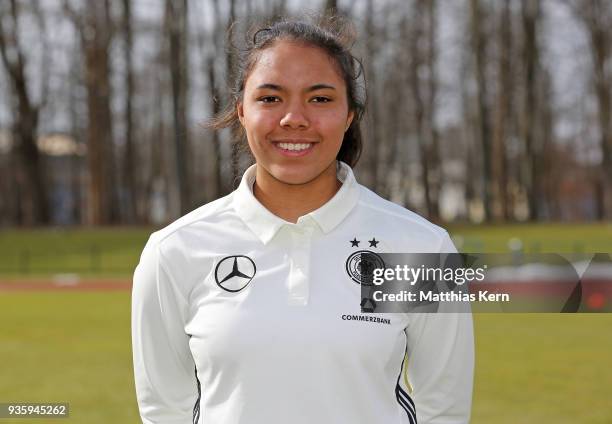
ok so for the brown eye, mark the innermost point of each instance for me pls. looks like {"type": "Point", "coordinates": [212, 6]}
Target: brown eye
{"type": "Point", "coordinates": [268, 99]}
{"type": "Point", "coordinates": [321, 99]}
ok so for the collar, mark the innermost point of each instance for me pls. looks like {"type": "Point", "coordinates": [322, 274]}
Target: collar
{"type": "Point", "coordinates": [265, 224]}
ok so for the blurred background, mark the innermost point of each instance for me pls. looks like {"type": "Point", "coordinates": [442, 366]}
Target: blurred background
{"type": "Point", "coordinates": [479, 110]}
{"type": "Point", "coordinates": [489, 117]}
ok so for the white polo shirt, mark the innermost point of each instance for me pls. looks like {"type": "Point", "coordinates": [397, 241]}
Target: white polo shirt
{"type": "Point", "coordinates": [240, 317]}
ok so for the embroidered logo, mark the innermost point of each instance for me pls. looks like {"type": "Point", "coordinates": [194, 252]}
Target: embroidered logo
{"type": "Point", "coordinates": [234, 273]}
{"type": "Point", "coordinates": [360, 266]}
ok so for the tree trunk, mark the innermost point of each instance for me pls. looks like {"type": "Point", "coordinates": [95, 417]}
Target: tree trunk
{"type": "Point", "coordinates": [129, 164]}
{"type": "Point", "coordinates": [423, 83]}
{"type": "Point", "coordinates": [596, 15]}
{"type": "Point", "coordinates": [530, 12]}
{"type": "Point", "coordinates": [371, 153]}
{"type": "Point", "coordinates": [479, 50]}
{"type": "Point", "coordinates": [96, 39]}
{"type": "Point", "coordinates": [34, 208]}
{"type": "Point", "coordinates": [215, 107]}
{"type": "Point", "coordinates": [435, 180]}
{"type": "Point", "coordinates": [235, 156]}
{"type": "Point", "coordinates": [504, 109]}
{"type": "Point", "coordinates": [176, 25]}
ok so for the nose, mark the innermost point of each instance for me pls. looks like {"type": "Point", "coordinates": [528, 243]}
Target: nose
{"type": "Point", "coordinates": [295, 118]}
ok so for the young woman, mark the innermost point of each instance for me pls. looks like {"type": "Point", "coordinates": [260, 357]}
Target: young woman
{"type": "Point", "coordinates": [245, 311]}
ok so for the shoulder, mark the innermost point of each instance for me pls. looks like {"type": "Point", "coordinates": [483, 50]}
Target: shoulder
{"type": "Point", "coordinates": [401, 221]}
{"type": "Point", "coordinates": [176, 251]}
{"type": "Point", "coordinates": [205, 214]}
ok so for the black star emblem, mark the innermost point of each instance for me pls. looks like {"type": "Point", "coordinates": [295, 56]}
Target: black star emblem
{"type": "Point", "coordinates": [235, 272]}
{"type": "Point", "coordinates": [355, 242]}
{"type": "Point", "coordinates": [373, 242]}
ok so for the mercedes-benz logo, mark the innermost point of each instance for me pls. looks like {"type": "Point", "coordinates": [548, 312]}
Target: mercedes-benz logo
{"type": "Point", "coordinates": [234, 273]}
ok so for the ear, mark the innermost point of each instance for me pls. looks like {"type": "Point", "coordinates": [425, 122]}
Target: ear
{"type": "Point", "coordinates": [349, 120]}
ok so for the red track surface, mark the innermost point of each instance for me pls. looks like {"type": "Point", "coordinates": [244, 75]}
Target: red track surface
{"type": "Point", "coordinates": [545, 288]}
{"type": "Point", "coordinates": [47, 285]}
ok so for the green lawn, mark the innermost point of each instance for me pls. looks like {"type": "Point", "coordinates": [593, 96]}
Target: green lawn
{"type": "Point", "coordinates": [114, 252]}
{"type": "Point", "coordinates": [541, 237]}
{"type": "Point", "coordinates": [75, 347]}
{"type": "Point", "coordinates": [68, 347]}
{"type": "Point", "coordinates": [104, 252]}
{"type": "Point", "coordinates": [543, 368]}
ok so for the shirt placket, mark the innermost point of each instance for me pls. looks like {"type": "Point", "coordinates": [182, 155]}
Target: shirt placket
{"type": "Point", "coordinates": [298, 285]}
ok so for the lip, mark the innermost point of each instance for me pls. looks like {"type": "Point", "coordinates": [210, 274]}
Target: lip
{"type": "Point", "coordinates": [294, 153]}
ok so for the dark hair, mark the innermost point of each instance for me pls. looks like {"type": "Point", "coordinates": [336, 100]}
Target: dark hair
{"type": "Point", "coordinates": [332, 34]}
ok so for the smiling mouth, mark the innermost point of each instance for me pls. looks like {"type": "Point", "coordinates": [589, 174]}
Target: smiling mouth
{"type": "Point", "coordinates": [294, 147]}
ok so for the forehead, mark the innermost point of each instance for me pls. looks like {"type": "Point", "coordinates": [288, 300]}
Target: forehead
{"type": "Point", "coordinates": [293, 64]}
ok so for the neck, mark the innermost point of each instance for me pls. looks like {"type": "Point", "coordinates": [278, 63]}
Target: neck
{"type": "Point", "coordinates": [290, 201]}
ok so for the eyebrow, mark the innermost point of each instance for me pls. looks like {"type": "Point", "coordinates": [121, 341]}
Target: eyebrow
{"type": "Point", "coordinates": [309, 89]}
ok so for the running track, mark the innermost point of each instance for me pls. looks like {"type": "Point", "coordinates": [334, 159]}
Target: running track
{"type": "Point", "coordinates": [49, 285]}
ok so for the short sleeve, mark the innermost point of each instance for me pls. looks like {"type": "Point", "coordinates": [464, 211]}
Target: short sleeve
{"type": "Point", "coordinates": [167, 389]}
{"type": "Point", "coordinates": [440, 366]}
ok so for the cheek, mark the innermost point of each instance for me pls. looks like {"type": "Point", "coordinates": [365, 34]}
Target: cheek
{"type": "Point", "coordinates": [258, 126]}
{"type": "Point", "coordinates": [259, 123]}
{"type": "Point", "coordinates": [333, 123]}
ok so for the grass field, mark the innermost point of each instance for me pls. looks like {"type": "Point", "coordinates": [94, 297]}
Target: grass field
{"type": "Point", "coordinates": [114, 252]}
{"type": "Point", "coordinates": [75, 347]}
{"type": "Point", "coordinates": [68, 347]}
{"type": "Point", "coordinates": [90, 253]}
{"type": "Point", "coordinates": [543, 368]}
{"type": "Point", "coordinates": [548, 238]}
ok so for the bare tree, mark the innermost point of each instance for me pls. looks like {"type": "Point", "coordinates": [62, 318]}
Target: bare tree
{"type": "Point", "coordinates": [479, 48]}
{"type": "Point", "coordinates": [503, 136]}
{"type": "Point", "coordinates": [96, 28]}
{"type": "Point", "coordinates": [530, 17]}
{"type": "Point", "coordinates": [210, 54]}
{"type": "Point", "coordinates": [547, 117]}
{"type": "Point", "coordinates": [371, 153]}
{"type": "Point", "coordinates": [596, 16]}
{"type": "Point", "coordinates": [423, 83]}
{"type": "Point", "coordinates": [229, 63]}
{"type": "Point", "coordinates": [503, 110]}
{"type": "Point", "coordinates": [129, 163]}
{"type": "Point", "coordinates": [175, 22]}
{"type": "Point", "coordinates": [433, 152]}
{"type": "Point", "coordinates": [32, 193]}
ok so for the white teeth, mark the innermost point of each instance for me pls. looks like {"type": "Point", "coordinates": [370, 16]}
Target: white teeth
{"type": "Point", "coordinates": [294, 146]}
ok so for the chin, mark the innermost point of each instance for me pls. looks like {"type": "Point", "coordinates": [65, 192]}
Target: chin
{"type": "Point", "coordinates": [293, 175]}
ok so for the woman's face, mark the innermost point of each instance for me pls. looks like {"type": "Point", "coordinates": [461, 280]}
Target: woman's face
{"type": "Point", "coordinates": [295, 112]}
